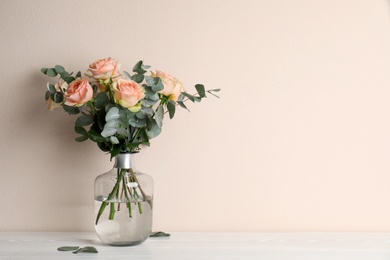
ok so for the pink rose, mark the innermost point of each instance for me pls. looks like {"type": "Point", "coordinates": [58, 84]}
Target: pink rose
{"type": "Point", "coordinates": [60, 85]}
{"type": "Point", "coordinates": [78, 93]}
{"type": "Point", "coordinates": [127, 93]}
{"type": "Point", "coordinates": [104, 68]}
{"type": "Point", "coordinates": [172, 87]}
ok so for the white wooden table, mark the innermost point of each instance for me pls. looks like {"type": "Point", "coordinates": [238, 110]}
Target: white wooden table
{"type": "Point", "coordinates": [270, 246]}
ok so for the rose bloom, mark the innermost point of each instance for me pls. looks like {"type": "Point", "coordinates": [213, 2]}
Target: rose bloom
{"type": "Point", "coordinates": [78, 93]}
{"type": "Point", "coordinates": [104, 68]}
{"type": "Point", "coordinates": [59, 85]}
{"type": "Point", "coordinates": [172, 87]}
{"type": "Point", "coordinates": [127, 93]}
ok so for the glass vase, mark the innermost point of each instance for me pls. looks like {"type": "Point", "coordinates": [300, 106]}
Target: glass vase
{"type": "Point", "coordinates": [123, 203]}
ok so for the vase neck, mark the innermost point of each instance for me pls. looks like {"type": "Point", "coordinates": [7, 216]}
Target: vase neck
{"type": "Point", "coordinates": [124, 161]}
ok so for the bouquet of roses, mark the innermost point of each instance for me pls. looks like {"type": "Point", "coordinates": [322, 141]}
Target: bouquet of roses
{"type": "Point", "coordinates": [118, 110]}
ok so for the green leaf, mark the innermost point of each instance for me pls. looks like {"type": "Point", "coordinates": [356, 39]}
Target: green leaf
{"type": "Point", "coordinates": [101, 100]}
{"type": "Point", "coordinates": [51, 72]}
{"type": "Point", "coordinates": [155, 83]}
{"type": "Point", "coordinates": [87, 249]}
{"type": "Point", "coordinates": [44, 70]}
{"type": "Point", "coordinates": [159, 234]}
{"type": "Point", "coordinates": [117, 150]}
{"type": "Point", "coordinates": [78, 75]}
{"type": "Point", "coordinates": [51, 87]}
{"type": "Point", "coordinates": [159, 116]}
{"type": "Point", "coordinates": [80, 130]}
{"type": "Point", "coordinates": [197, 99]}
{"type": "Point", "coordinates": [213, 90]}
{"type": "Point", "coordinates": [189, 96]}
{"type": "Point", "coordinates": [201, 90]}
{"type": "Point", "coordinates": [58, 97]}
{"type": "Point", "coordinates": [159, 85]}
{"type": "Point", "coordinates": [112, 114]}
{"type": "Point", "coordinates": [71, 110]}
{"type": "Point", "coordinates": [153, 129]}
{"type": "Point", "coordinates": [138, 68]}
{"type": "Point", "coordinates": [182, 105]}
{"type": "Point", "coordinates": [171, 108]}
{"type": "Point", "coordinates": [138, 78]}
{"type": "Point", "coordinates": [47, 95]}
{"type": "Point", "coordinates": [68, 79]}
{"type": "Point", "coordinates": [81, 138]}
{"type": "Point", "coordinates": [95, 136]}
{"type": "Point", "coordinates": [59, 69]}
{"type": "Point", "coordinates": [84, 120]}
{"type": "Point", "coordinates": [114, 140]}
{"type": "Point", "coordinates": [68, 248]}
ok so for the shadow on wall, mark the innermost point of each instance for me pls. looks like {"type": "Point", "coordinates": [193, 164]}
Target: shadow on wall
{"type": "Point", "coordinates": [388, 6]}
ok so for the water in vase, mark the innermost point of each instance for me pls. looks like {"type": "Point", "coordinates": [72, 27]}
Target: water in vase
{"type": "Point", "coordinates": [124, 230]}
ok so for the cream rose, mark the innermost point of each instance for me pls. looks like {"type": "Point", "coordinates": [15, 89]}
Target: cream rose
{"type": "Point", "coordinates": [127, 93]}
{"type": "Point", "coordinates": [104, 68]}
{"type": "Point", "coordinates": [78, 93]}
{"type": "Point", "coordinates": [60, 85]}
{"type": "Point", "coordinates": [172, 87]}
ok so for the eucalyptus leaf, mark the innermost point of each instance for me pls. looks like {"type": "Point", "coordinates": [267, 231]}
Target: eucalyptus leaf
{"type": "Point", "coordinates": [58, 97]}
{"type": "Point", "coordinates": [80, 130]}
{"type": "Point", "coordinates": [181, 103]}
{"type": "Point", "coordinates": [87, 249]}
{"type": "Point", "coordinates": [158, 86]}
{"type": "Point", "coordinates": [138, 78]}
{"type": "Point", "coordinates": [107, 131]}
{"type": "Point", "coordinates": [51, 72]}
{"type": "Point", "coordinates": [197, 99]}
{"type": "Point", "coordinates": [101, 100]}
{"type": "Point", "coordinates": [68, 248]}
{"type": "Point", "coordinates": [81, 138]}
{"type": "Point", "coordinates": [151, 81]}
{"type": "Point", "coordinates": [159, 116]}
{"type": "Point", "coordinates": [153, 129]}
{"type": "Point", "coordinates": [136, 122]}
{"type": "Point", "coordinates": [95, 136]}
{"type": "Point", "coordinates": [181, 97]}
{"type": "Point", "coordinates": [213, 90]}
{"type": "Point", "coordinates": [189, 96]}
{"type": "Point", "coordinates": [201, 90]}
{"type": "Point", "coordinates": [59, 69]}
{"type": "Point", "coordinates": [159, 234]}
{"type": "Point", "coordinates": [147, 110]}
{"type": "Point", "coordinates": [51, 88]}
{"type": "Point", "coordinates": [171, 108]}
{"type": "Point", "coordinates": [47, 95]}
{"type": "Point", "coordinates": [68, 79]}
{"type": "Point", "coordinates": [112, 114]}
{"type": "Point", "coordinates": [114, 140]}
{"type": "Point", "coordinates": [84, 120]}
{"type": "Point", "coordinates": [138, 67]}
{"type": "Point", "coordinates": [44, 70]}
{"type": "Point", "coordinates": [71, 110]}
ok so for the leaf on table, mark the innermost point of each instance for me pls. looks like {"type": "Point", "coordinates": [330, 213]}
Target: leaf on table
{"type": "Point", "coordinates": [68, 248]}
{"type": "Point", "coordinates": [159, 234]}
{"type": "Point", "coordinates": [87, 249]}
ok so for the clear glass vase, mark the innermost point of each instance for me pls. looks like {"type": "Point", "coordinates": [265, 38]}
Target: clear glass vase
{"type": "Point", "coordinates": [123, 204]}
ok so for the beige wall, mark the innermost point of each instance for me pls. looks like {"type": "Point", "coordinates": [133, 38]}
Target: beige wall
{"type": "Point", "coordinates": [299, 141]}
